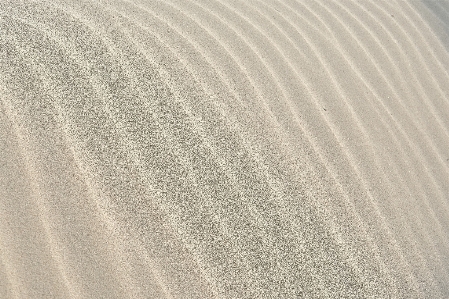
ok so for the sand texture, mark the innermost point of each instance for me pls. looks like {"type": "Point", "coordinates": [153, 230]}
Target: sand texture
{"type": "Point", "coordinates": [187, 149]}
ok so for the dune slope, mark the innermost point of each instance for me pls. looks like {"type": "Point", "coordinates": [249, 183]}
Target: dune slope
{"type": "Point", "coordinates": [224, 149]}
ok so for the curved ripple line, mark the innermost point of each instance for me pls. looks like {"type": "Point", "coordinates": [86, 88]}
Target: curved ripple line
{"type": "Point", "coordinates": [268, 179]}
{"type": "Point", "coordinates": [377, 96]}
{"type": "Point", "coordinates": [80, 61]}
{"type": "Point", "coordinates": [222, 163]}
{"type": "Point", "coordinates": [422, 62]}
{"type": "Point", "coordinates": [425, 199]}
{"type": "Point", "coordinates": [302, 79]}
{"type": "Point", "coordinates": [11, 114]}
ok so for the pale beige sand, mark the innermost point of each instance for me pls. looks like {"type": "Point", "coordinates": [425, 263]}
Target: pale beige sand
{"type": "Point", "coordinates": [224, 149]}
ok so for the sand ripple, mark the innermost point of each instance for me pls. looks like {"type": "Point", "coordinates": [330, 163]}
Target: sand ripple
{"type": "Point", "coordinates": [224, 149]}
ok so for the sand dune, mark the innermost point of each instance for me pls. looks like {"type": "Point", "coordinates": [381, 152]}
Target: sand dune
{"type": "Point", "coordinates": [224, 149]}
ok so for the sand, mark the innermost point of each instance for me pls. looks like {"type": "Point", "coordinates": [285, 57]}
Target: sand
{"type": "Point", "coordinates": [224, 149]}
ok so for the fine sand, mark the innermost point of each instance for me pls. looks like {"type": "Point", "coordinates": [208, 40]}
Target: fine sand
{"type": "Point", "coordinates": [224, 149]}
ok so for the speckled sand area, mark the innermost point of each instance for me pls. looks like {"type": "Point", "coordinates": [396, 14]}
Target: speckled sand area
{"type": "Point", "coordinates": [224, 149]}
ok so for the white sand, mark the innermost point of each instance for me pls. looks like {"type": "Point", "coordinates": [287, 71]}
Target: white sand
{"type": "Point", "coordinates": [224, 149]}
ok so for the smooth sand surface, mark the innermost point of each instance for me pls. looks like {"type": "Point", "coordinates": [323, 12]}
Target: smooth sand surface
{"type": "Point", "coordinates": [224, 149]}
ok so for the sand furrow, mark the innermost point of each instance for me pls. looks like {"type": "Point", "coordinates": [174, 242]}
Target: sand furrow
{"type": "Point", "coordinates": [189, 165]}
{"type": "Point", "coordinates": [224, 149]}
{"type": "Point", "coordinates": [403, 154]}
{"type": "Point", "coordinates": [38, 196]}
{"type": "Point", "coordinates": [435, 114]}
{"type": "Point", "coordinates": [409, 141]}
{"type": "Point", "coordinates": [290, 62]}
{"type": "Point", "coordinates": [436, 50]}
{"type": "Point", "coordinates": [334, 10]}
{"type": "Point", "coordinates": [410, 61]}
{"type": "Point", "coordinates": [412, 118]}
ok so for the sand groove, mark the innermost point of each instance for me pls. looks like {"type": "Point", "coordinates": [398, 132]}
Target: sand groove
{"type": "Point", "coordinates": [224, 149]}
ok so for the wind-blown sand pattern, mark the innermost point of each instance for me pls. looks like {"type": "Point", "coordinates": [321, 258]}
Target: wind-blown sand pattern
{"type": "Point", "coordinates": [224, 149]}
